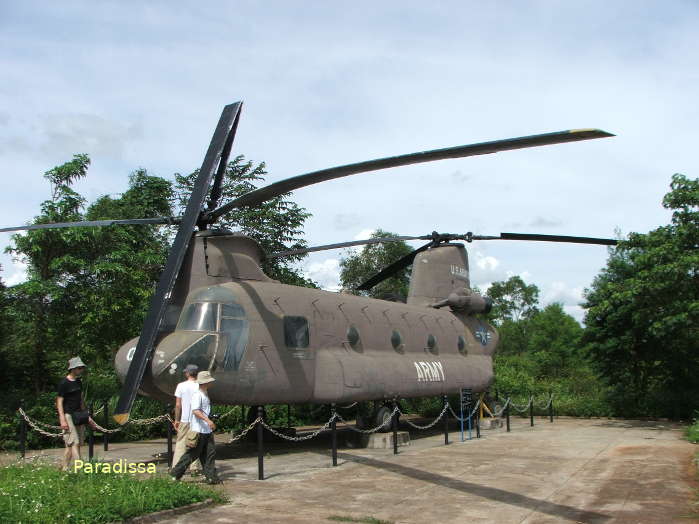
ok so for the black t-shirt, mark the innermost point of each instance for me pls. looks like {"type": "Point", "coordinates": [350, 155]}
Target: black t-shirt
{"type": "Point", "coordinates": [71, 391]}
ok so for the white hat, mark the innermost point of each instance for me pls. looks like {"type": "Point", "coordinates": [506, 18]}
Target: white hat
{"type": "Point", "coordinates": [75, 362]}
{"type": "Point", "coordinates": [204, 377]}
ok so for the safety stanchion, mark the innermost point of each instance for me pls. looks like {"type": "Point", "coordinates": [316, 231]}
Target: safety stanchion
{"type": "Point", "coordinates": [168, 425]}
{"type": "Point", "coordinates": [446, 420]}
{"type": "Point", "coordinates": [260, 445]}
{"type": "Point", "coordinates": [531, 411]}
{"type": "Point", "coordinates": [478, 423]}
{"type": "Point", "coordinates": [22, 433]}
{"type": "Point", "coordinates": [507, 416]}
{"type": "Point", "coordinates": [90, 435]}
{"type": "Point", "coordinates": [105, 436]}
{"type": "Point", "coordinates": [550, 407]}
{"type": "Point", "coordinates": [394, 423]}
{"type": "Point", "coordinates": [333, 429]}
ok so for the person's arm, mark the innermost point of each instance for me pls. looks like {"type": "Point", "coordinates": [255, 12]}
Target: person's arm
{"type": "Point", "coordinates": [178, 412]}
{"type": "Point", "coordinates": [197, 411]}
{"type": "Point", "coordinates": [200, 415]}
{"type": "Point", "coordinates": [61, 414]}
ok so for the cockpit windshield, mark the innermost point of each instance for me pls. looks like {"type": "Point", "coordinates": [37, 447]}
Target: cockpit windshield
{"type": "Point", "coordinates": [215, 310]}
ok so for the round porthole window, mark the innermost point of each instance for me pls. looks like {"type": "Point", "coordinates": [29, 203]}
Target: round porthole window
{"type": "Point", "coordinates": [353, 336]}
{"type": "Point", "coordinates": [431, 343]}
{"type": "Point", "coordinates": [396, 340]}
{"type": "Point", "coordinates": [461, 344]}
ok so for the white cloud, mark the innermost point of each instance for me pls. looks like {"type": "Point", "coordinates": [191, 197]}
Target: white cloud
{"type": "Point", "coordinates": [16, 274]}
{"type": "Point", "coordinates": [325, 273]}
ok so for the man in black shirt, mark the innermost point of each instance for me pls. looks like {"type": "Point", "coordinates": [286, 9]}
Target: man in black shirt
{"type": "Point", "coordinates": [68, 401]}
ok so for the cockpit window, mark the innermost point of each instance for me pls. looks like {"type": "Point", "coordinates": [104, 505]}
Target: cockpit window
{"type": "Point", "coordinates": [222, 315]}
{"type": "Point", "coordinates": [199, 316]}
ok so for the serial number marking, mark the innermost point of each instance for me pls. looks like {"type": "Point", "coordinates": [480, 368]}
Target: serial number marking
{"type": "Point", "coordinates": [458, 271]}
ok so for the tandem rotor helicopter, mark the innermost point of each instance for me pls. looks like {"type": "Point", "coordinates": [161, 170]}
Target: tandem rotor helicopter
{"type": "Point", "coordinates": [272, 343]}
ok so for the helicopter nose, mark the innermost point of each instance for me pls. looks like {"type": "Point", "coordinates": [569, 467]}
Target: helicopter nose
{"type": "Point", "coordinates": [178, 350]}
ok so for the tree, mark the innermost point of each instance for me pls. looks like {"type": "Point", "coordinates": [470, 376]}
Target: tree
{"type": "Point", "coordinates": [554, 341]}
{"type": "Point", "coordinates": [356, 268]}
{"type": "Point", "coordinates": [87, 288]}
{"type": "Point", "coordinates": [513, 299]}
{"type": "Point", "coordinates": [276, 224]}
{"type": "Point", "coordinates": [514, 304]}
{"type": "Point", "coordinates": [642, 319]}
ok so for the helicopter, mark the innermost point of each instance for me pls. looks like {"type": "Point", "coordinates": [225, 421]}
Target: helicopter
{"type": "Point", "coordinates": [271, 343]}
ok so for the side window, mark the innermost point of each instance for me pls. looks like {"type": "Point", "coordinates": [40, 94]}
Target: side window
{"type": "Point", "coordinates": [397, 341]}
{"type": "Point", "coordinates": [234, 325]}
{"type": "Point", "coordinates": [296, 332]}
{"type": "Point", "coordinates": [432, 343]}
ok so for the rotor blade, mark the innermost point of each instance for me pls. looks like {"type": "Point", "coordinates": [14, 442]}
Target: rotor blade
{"type": "Point", "coordinates": [344, 244]}
{"type": "Point", "coordinates": [394, 268]}
{"type": "Point", "coordinates": [93, 223]}
{"type": "Point", "coordinates": [223, 163]}
{"type": "Point", "coordinates": [265, 193]}
{"type": "Point", "coordinates": [158, 304]}
{"type": "Point", "coordinates": [554, 238]}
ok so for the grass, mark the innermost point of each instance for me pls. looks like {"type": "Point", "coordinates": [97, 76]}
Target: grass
{"type": "Point", "coordinates": [32, 493]}
{"type": "Point", "coordinates": [362, 520]}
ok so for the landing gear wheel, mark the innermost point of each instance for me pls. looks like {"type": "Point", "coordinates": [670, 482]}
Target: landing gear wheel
{"type": "Point", "coordinates": [382, 417]}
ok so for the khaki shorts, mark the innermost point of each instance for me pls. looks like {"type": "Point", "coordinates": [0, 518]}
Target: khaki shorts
{"type": "Point", "coordinates": [74, 434]}
{"type": "Point", "coordinates": [181, 447]}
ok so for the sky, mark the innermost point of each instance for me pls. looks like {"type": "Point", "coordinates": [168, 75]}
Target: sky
{"type": "Point", "coordinates": [141, 84]}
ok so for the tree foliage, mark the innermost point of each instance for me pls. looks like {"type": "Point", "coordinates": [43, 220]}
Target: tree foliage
{"type": "Point", "coordinates": [643, 313]}
{"type": "Point", "coordinates": [276, 224]}
{"type": "Point", "coordinates": [356, 268]}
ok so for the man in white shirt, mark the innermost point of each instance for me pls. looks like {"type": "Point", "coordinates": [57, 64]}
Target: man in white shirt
{"type": "Point", "coordinates": [183, 414]}
{"type": "Point", "coordinates": [200, 423]}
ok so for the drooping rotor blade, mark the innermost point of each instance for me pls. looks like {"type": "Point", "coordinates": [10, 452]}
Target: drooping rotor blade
{"type": "Point", "coordinates": [223, 164]}
{"type": "Point", "coordinates": [340, 245]}
{"type": "Point", "coordinates": [93, 223]}
{"type": "Point", "coordinates": [159, 302]}
{"type": "Point", "coordinates": [265, 193]}
{"type": "Point", "coordinates": [553, 238]}
{"type": "Point", "coordinates": [394, 268]}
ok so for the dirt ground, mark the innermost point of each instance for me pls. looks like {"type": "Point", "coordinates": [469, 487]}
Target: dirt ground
{"type": "Point", "coordinates": [574, 470]}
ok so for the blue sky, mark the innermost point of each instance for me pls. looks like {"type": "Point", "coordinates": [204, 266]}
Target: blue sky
{"type": "Point", "coordinates": [142, 85]}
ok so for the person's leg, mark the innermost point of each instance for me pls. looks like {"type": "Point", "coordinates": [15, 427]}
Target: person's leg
{"type": "Point", "coordinates": [180, 446]}
{"type": "Point", "coordinates": [208, 459]}
{"type": "Point", "coordinates": [68, 453]}
{"type": "Point", "coordinates": [189, 456]}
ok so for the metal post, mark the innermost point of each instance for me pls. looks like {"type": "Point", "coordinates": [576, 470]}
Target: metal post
{"type": "Point", "coordinates": [446, 421]}
{"type": "Point", "coordinates": [550, 407]}
{"type": "Point", "coordinates": [507, 416]}
{"type": "Point", "coordinates": [288, 415]}
{"type": "Point", "coordinates": [90, 436]}
{"type": "Point", "coordinates": [105, 436]}
{"type": "Point", "coordinates": [394, 425]}
{"type": "Point", "coordinates": [168, 423]}
{"type": "Point", "coordinates": [22, 433]}
{"type": "Point", "coordinates": [478, 423]}
{"type": "Point", "coordinates": [260, 447]}
{"type": "Point", "coordinates": [333, 428]}
{"type": "Point", "coordinates": [531, 410]}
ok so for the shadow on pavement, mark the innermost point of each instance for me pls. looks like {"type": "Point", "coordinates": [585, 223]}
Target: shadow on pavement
{"type": "Point", "coordinates": [500, 495]}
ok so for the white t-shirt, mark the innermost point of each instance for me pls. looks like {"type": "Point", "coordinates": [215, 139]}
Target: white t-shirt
{"type": "Point", "coordinates": [200, 400]}
{"type": "Point", "coordinates": [184, 391]}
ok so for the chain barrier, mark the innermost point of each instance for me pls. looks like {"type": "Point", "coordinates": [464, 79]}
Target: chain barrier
{"type": "Point", "coordinates": [475, 408]}
{"type": "Point", "coordinates": [245, 431]}
{"type": "Point", "coordinates": [299, 439]}
{"type": "Point", "coordinates": [547, 405]}
{"type": "Point", "coordinates": [368, 431]}
{"type": "Point", "coordinates": [525, 408]}
{"type": "Point", "coordinates": [36, 428]}
{"type": "Point", "coordinates": [499, 412]}
{"type": "Point", "coordinates": [431, 424]}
